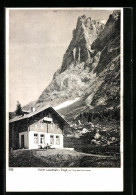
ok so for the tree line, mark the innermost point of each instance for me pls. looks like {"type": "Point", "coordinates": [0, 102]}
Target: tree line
{"type": "Point", "coordinates": [109, 114]}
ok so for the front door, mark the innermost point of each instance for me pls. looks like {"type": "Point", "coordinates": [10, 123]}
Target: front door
{"type": "Point", "coordinates": [22, 141]}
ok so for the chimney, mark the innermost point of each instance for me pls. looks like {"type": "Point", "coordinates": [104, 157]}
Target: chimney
{"type": "Point", "coordinates": [32, 109]}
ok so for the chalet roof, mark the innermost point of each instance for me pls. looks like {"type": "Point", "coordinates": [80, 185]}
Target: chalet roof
{"type": "Point", "coordinates": [18, 118]}
{"type": "Point", "coordinates": [25, 111]}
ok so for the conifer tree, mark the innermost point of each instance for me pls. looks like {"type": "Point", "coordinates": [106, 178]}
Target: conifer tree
{"type": "Point", "coordinates": [18, 109]}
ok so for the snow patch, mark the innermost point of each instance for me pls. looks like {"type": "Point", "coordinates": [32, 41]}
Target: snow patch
{"type": "Point", "coordinates": [104, 21]}
{"type": "Point", "coordinates": [66, 103]}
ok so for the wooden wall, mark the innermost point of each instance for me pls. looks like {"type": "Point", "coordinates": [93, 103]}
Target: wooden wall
{"type": "Point", "coordinates": [37, 124]}
{"type": "Point", "coordinates": [14, 129]}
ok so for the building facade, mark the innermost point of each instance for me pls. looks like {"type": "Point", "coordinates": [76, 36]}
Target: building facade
{"type": "Point", "coordinates": [37, 129]}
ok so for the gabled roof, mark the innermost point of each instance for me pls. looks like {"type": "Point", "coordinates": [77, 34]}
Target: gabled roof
{"type": "Point", "coordinates": [25, 111]}
{"type": "Point", "coordinates": [18, 118]}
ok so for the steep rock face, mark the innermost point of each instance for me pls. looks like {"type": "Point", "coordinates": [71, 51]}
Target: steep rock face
{"type": "Point", "coordinates": [90, 69]}
{"type": "Point", "coordinates": [108, 44]}
{"type": "Point", "coordinates": [79, 50]}
{"type": "Point", "coordinates": [75, 73]}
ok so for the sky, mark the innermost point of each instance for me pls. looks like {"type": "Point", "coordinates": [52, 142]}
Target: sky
{"type": "Point", "coordinates": [38, 40]}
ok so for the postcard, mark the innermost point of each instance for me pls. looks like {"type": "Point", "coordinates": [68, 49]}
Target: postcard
{"type": "Point", "coordinates": [64, 99]}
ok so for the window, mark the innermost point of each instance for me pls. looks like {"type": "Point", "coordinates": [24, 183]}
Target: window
{"type": "Point", "coordinates": [42, 139]}
{"type": "Point", "coordinates": [35, 138]}
{"type": "Point", "coordinates": [42, 125]}
{"type": "Point", "coordinates": [51, 139]}
{"type": "Point", "coordinates": [57, 140]}
{"type": "Point", "coordinates": [51, 125]}
{"type": "Point", "coordinates": [35, 124]}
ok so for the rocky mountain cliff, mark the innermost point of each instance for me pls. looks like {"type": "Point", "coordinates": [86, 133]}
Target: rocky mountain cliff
{"type": "Point", "coordinates": [90, 71]}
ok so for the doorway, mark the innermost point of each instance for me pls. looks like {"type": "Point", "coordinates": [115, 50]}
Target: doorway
{"type": "Point", "coordinates": [22, 141]}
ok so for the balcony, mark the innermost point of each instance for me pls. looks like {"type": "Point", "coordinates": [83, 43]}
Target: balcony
{"type": "Point", "coordinates": [47, 119]}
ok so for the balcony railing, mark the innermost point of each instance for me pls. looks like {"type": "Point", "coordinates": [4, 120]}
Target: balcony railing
{"type": "Point", "coordinates": [47, 119]}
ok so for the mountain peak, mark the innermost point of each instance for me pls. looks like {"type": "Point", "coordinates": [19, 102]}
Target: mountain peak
{"type": "Point", "coordinates": [89, 76]}
{"type": "Point", "coordinates": [79, 50]}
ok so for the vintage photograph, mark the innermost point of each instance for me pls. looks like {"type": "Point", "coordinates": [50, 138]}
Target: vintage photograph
{"type": "Point", "coordinates": [64, 88]}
